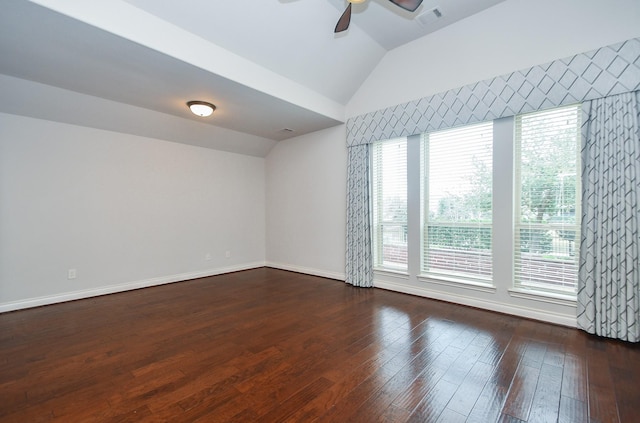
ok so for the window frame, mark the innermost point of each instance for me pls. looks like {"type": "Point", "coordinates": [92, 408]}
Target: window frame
{"type": "Point", "coordinates": [377, 210]}
{"type": "Point", "coordinates": [449, 276]}
{"type": "Point", "coordinates": [412, 279]}
{"type": "Point", "coordinates": [539, 288]}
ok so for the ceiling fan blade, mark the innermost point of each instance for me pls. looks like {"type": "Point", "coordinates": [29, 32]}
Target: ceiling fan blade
{"type": "Point", "coordinates": [343, 22]}
{"type": "Point", "coordinates": [410, 5]}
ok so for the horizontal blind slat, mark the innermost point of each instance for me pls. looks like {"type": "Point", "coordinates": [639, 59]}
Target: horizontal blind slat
{"type": "Point", "coordinates": [548, 188]}
{"type": "Point", "coordinates": [389, 199]}
{"type": "Point", "coordinates": [456, 171]}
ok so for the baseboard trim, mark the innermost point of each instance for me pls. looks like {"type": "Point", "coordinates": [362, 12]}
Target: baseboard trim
{"type": "Point", "coordinates": [307, 271]}
{"type": "Point", "coordinates": [529, 313]}
{"type": "Point", "coordinates": [129, 286]}
{"type": "Point", "coordinates": [546, 316]}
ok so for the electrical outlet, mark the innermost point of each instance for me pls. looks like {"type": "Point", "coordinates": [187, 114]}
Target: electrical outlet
{"type": "Point", "coordinates": [72, 274]}
{"type": "Point", "coordinates": [227, 254]}
{"type": "Point", "coordinates": [208, 256]}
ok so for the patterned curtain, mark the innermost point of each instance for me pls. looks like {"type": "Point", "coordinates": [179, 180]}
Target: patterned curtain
{"type": "Point", "coordinates": [359, 268]}
{"type": "Point", "coordinates": [609, 272]}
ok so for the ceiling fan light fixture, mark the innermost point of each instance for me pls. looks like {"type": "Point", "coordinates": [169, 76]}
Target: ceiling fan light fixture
{"type": "Point", "coordinates": [201, 108]}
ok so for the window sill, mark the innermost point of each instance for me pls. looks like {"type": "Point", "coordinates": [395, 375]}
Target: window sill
{"type": "Point", "coordinates": [547, 297]}
{"type": "Point", "coordinates": [458, 283]}
{"type": "Point", "coordinates": [391, 273]}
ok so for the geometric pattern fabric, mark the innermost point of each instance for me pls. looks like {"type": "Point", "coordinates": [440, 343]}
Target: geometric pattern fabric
{"type": "Point", "coordinates": [600, 73]}
{"type": "Point", "coordinates": [359, 263]}
{"type": "Point", "coordinates": [608, 298]}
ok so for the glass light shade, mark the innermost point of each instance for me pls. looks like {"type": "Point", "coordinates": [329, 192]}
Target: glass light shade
{"type": "Point", "coordinates": [201, 108]}
{"type": "Point", "coordinates": [356, 1]}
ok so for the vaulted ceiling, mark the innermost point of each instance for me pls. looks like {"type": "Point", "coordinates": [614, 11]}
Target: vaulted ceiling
{"type": "Point", "coordinates": [274, 68]}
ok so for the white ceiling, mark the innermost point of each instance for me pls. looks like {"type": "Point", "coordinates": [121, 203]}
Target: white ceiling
{"type": "Point", "coordinates": [391, 26]}
{"type": "Point", "coordinates": [266, 64]}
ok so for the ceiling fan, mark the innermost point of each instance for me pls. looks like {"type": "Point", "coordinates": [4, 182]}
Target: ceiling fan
{"type": "Point", "coordinates": [343, 22]}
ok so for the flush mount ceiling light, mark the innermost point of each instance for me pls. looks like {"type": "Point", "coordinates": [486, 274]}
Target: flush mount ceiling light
{"type": "Point", "coordinates": [201, 108]}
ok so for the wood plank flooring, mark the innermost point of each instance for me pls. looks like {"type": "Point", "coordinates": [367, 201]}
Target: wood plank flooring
{"type": "Point", "coordinates": [272, 346]}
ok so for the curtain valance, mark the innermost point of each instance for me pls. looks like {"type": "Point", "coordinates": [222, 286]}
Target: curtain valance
{"type": "Point", "coordinates": [609, 70]}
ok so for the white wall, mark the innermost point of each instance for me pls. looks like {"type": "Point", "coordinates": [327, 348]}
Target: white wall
{"type": "Point", "coordinates": [510, 36]}
{"type": "Point", "coordinates": [128, 211]}
{"type": "Point", "coordinates": [306, 203]}
{"type": "Point", "coordinates": [125, 211]}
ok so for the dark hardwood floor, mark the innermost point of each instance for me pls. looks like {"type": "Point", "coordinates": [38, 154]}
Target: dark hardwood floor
{"type": "Point", "coordinates": [272, 346]}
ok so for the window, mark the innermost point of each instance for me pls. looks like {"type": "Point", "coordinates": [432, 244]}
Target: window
{"type": "Point", "coordinates": [446, 178]}
{"type": "Point", "coordinates": [389, 199]}
{"type": "Point", "coordinates": [547, 191]}
{"type": "Point", "coordinates": [456, 171]}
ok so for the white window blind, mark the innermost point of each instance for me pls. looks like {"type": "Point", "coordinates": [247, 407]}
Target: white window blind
{"type": "Point", "coordinates": [456, 167]}
{"type": "Point", "coordinates": [547, 216]}
{"type": "Point", "coordinates": [389, 199]}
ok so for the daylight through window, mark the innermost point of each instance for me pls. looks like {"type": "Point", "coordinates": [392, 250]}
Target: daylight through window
{"type": "Point", "coordinates": [445, 209]}
{"type": "Point", "coordinates": [547, 212]}
{"type": "Point", "coordinates": [389, 191]}
{"type": "Point", "coordinates": [457, 202]}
